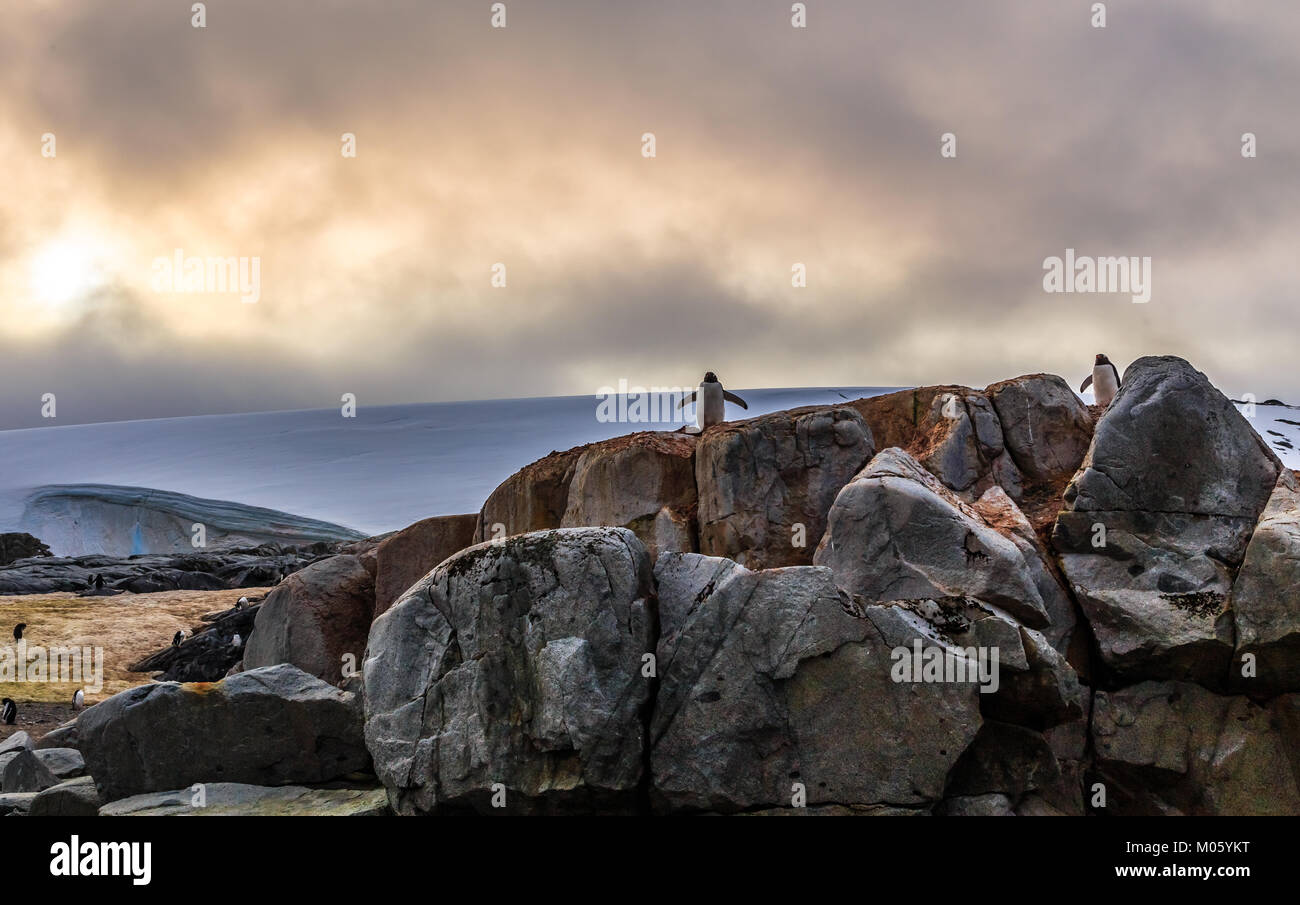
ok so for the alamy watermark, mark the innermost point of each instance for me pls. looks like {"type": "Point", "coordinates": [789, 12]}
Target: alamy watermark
{"type": "Point", "coordinates": [1110, 274]}
{"type": "Point", "coordinates": [82, 666]}
{"type": "Point", "coordinates": [934, 664]}
{"type": "Point", "coordinates": [180, 273]}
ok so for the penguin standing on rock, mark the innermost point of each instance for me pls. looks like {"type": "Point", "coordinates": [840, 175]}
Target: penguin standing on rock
{"type": "Point", "coordinates": [8, 711]}
{"type": "Point", "coordinates": [241, 603]}
{"type": "Point", "coordinates": [1105, 381]}
{"type": "Point", "coordinates": [18, 631]}
{"type": "Point", "coordinates": [179, 637]}
{"type": "Point", "coordinates": [711, 400]}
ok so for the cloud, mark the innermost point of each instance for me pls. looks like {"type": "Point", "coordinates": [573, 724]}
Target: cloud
{"type": "Point", "coordinates": [521, 146]}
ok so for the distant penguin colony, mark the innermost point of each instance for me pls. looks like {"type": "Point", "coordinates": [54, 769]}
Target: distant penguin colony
{"type": "Point", "coordinates": [712, 400]}
{"type": "Point", "coordinates": [79, 700]}
{"type": "Point", "coordinates": [1104, 380]}
{"type": "Point", "coordinates": [8, 711]}
{"type": "Point", "coordinates": [18, 631]}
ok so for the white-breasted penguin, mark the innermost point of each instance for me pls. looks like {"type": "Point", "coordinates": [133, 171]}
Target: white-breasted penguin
{"type": "Point", "coordinates": [236, 641]}
{"type": "Point", "coordinates": [1104, 381]}
{"type": "Point", "coordinates": [8, 711]}
{"type": "Point", "coordinates": [711, 400]}
{"type": "Point", "coordinates": [241, 603]}
{"type": "Point", "coordinates": [79, 700]}
{"type": "Point", "coordinates": [179, 637]}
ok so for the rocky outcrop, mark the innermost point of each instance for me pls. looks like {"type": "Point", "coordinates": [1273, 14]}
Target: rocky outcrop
{"type": "Point", "coordinates": [72, 798]}
{"type": "Point", "coordinates": [17, 545]}
{"type": "Point", "coordinates": [208, 654]}
{"type": "Point", "coordinates": [1157, 521]}
{"type": "Point", "coordinates": [1176, 748]}
{"type": "Point", "coordinates": [765, 485]}
{"type": "Point", "coordinates": [229, 799]}
{"type": "Point", "coordinates": [25, 772]}
{"type": "Point", "coordinates": [516, 669]}
{"type": "Point", "coordinates": [896, 533]}
{"type": "Point", "coordinates": [532, 499]}
{"type": "Point", "coordinates": [406, 556]}
{"type": "Point", "coordinates": [643, 482]}
{"type": "Point", "coordinates": [271, 726]}
{"type": "Point", "coordinates": [1266, 597]}
{"type": "Point", "coordinates": [317, 619]}
{"type": "Point", "coordinates": [773, 689]}
{"type": "Point", "coordinates": [251, 567]}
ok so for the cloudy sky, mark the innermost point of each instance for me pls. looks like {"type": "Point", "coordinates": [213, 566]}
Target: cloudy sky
{"type": "Point", "coordinates": [522, 146]}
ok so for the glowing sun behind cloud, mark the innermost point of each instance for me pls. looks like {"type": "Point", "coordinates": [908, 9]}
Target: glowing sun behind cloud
{"type": "Point", "coordinates": [65, 269]}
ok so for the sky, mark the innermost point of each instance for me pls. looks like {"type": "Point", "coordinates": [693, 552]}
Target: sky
{"type": "Point", "coordinates": [523, 146]}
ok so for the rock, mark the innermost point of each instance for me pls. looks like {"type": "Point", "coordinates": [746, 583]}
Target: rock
{"type": "Point", "coordinates": [64, 763]}
{"type": "Point", "coordinates": [229, 799]}
{"type": "Point", "coordinates": [408, 555]}
{"type": "Point", "coordinates": [766, 484]}
{"type": "Point", "coordinates": [208, 654]}
{"type": "Point", "coordinates": [532, 499]}
{"type": "Point", "coordinates": [64, 736]}
{"type": "Point", "coordinates": [27, 773]}
{"type": "Point", "coordinates": [71, 798]}
{"type": "Point", "coordinates": [16, 545]}
{"type": "Point", "coordinates": [896, 533]}
{"type": "Point", "coordinates": [771, 678]}
{"type": "Point", "coordinates": [1004, 759]}
{"type": "Point", "coordinates": [644, 482]}
{"type": "Point", "coordinates": [952, 431]}
{"type": "Point", "coordinates": [517, 662]}
{"type": "Point", "coordinates": [314, 619]}
{"type": "Point", "coordinates": [991, 805]}
{"type": "Point", "coordinates": [1157, 521]}
{"type": "Point", "coordinates": [1046, 427]}
{"type": "Point", "coordinates": [1174, 747]}
{"type": "Point", "coordinates": [271, 726]}
{"type": "Point", "coordinates": [16, 803]}
{"type": "Point", "coordinates": [1264, 596]}
{"type": "Point", "coordinates": [16, 742]}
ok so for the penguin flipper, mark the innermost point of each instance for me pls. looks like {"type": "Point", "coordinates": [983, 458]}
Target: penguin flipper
{"type": "Point", "coordinates": [732, 397]}
{"type": "Point", "coordinates": [687, 399]}
{"type": "Point", "coordinates": [1086, 383]}
{"type": "Point", "coordinates": [1119, 381]}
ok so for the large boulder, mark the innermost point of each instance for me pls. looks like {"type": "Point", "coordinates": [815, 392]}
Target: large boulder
{"type": "Point", "coordinates": [1176, 748]}
{"type": "Point", "coordinates": [408, 555]}
{"type": "Point", "coordinates": [1046, 427]}
{"type": "Point", "coordinates": [1266, 596]}
{"type": "Point", "coordinates": [772, 681]}
{"type": "Point", "coordinates": [315, 619]}
{"type": "Point", "coordinates": [71, 798]}
{"type": "Point", "coordinates": [896, 533]}
{"type": "Point", "coordinates": [516, 667]}
{"type": "Point", "coordinates": [1157, 520]}
{"type": "Point", "coordinates": [230, 799]}
{"type": "Point", "coordinates": [532, 499]}
{"type": "Point", "coordinates": [644, 482]}
{"type": "Point", "coordinates": [765, 484]}
{"type": "Point", "coordinates": [25, 772]}
{"type": "Point", "coordinates": [271, 726]}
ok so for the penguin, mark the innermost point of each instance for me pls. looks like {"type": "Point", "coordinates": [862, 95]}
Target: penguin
{"type": "Point", "coordinates": [8, 711]}
{"type": "Point", "coordinates": [18, 631]}
{"type": "Point", "coordinates": [1105, 381]}
{"type": "Point", "coordinates": [236, 641]}
{"type": "Point", "coordinates": [99, 582]}
{"type": "Point", "coordinates": [712, 401]}
{"type": "Point", "coordinates": [241, 603]}
{"type": "Point", "coordinates": [179, 637]}
{"type": "Point", "coordinates": [79, 700]}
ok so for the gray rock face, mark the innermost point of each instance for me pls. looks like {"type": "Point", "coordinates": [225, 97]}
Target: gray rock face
{"type": "Point", "coordinates": [759, 479]}
{"type": "Point", "coordinates": [71, 798]}
{"type": "Point", "coordinates": [208, 654]}
{"type": "Point", "coordinates": [532, 499]}
{"type": "Point", "coordinates": [315, 618]}
{"type": "Point", "coordinates": [518, 663]}
{"type": "Point", "coordinates": [1174, 747]}
{"type": "Point", "coordinates": [16, 803]}
{"type": "Point", "coordinates": [230, 799]}
{"type": "Point", "coordinates": [644, 482]}
{"type": "Point", "coordinates": [771, 678]}
{"type": "Point", "coordinates": [1046, 427]}
{"type": "Point", "coordinates": [1176, 479]}
{"type": "Point", "coordinates": [896, 533]}
{"type": "Point", "coordinates": [408, 555]}
{"type": "Point", "coordinates": [271, 726]}
{"type": "Point", "coordinates": [15, 545]}
{"type": "Point", "coordinates": [1266, 596]}
{"type": "Point", "coordinates": [16, 742]}
{"type": "Point", "coordinates": [26, 773]}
